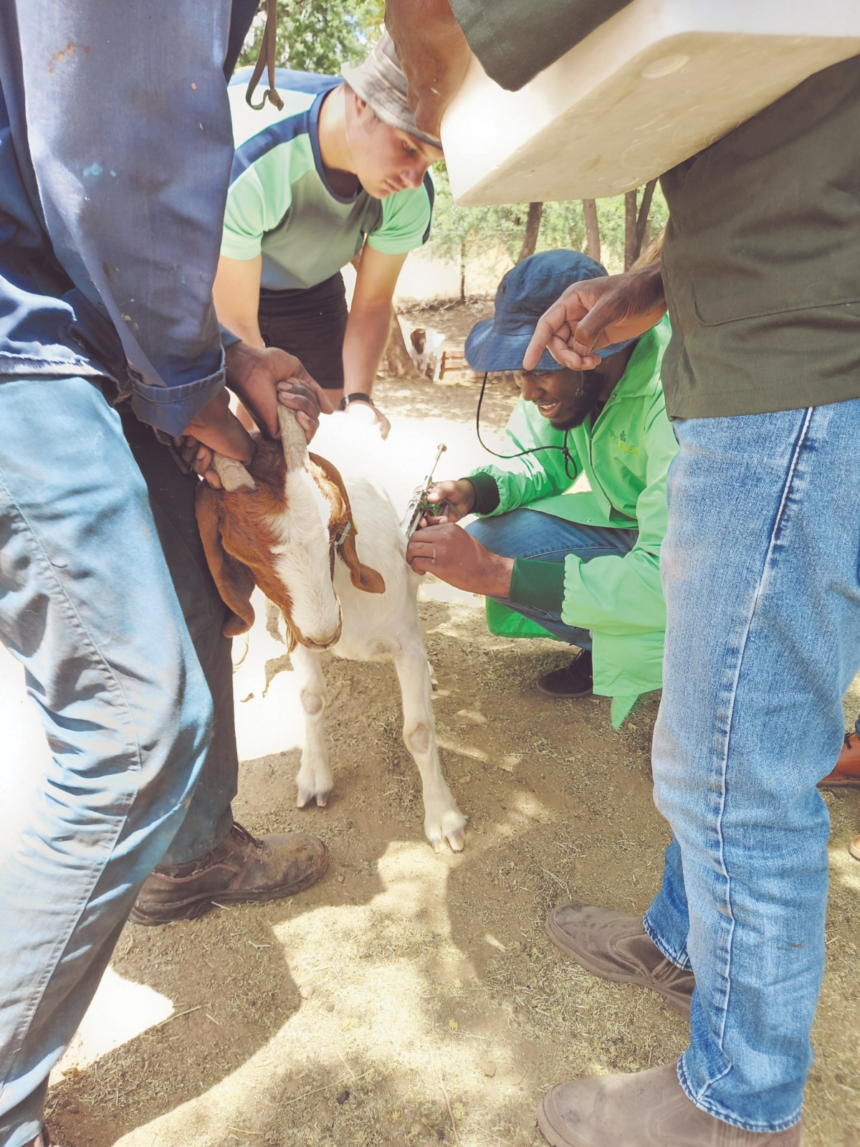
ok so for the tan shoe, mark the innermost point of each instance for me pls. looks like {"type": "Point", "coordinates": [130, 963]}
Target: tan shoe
{"type": "Point", "coordinates": [648, 1109]}
{"type": "Point", "coordinates": [846, 773]}
{"type": "Point", "coordinates": [616, 947]}
{"type": "Point", "coordinates": [240, 869]}
{"type": "Point", "coordinates": [854, 848]}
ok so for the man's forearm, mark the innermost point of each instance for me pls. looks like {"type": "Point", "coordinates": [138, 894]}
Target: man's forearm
{"type": "Point", "coordinates": [494, 578]}
{"type": "Point", "coordinates": [364, 344]}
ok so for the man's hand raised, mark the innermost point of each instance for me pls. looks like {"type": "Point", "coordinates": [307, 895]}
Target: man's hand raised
{"type": "Point", "coordinates": [433, 53]}
{"type": "Point", "coordinates": [596, 313]}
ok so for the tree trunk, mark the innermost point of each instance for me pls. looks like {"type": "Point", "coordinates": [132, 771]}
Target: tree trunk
{"type": "Point", "coordinates": [630, 232]}
{"type": "Point", "coordinates": [396, 353]}
{"type": "Point", "coordinates": [592, 229]}
{"type": "Point", "coordinates": [532, 230]}
{"type": "Point", "coordinates": [642, 218]}
{"type": "Point", "coordinates": [636, 222]}
{"type": "Point", "coordinates": [463, 271]}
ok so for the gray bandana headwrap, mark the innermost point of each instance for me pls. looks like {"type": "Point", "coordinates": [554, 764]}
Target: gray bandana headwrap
{"type": "Point", "coordinates": [382, 85]}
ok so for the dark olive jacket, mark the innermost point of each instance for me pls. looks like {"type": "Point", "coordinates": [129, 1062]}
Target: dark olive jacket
{"type": "Point", "coordinates": [760, 263]}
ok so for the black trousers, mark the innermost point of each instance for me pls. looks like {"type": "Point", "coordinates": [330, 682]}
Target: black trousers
{"type": "Point", "coordinates": [310, 324]}
{"type": "Point", "coordinates": [171, 496]}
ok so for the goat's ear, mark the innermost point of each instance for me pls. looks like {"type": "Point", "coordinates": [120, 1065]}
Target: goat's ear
{"type": "Point", "coordinates": [362, 576]}
{"type": "Point", "coordinates": [234, 580]}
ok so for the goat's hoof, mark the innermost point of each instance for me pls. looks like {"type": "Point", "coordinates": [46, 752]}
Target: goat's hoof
{"type": "Point", "coordinates": [307, 797]}
{"type": "Point", "coordinates": [451, 829]}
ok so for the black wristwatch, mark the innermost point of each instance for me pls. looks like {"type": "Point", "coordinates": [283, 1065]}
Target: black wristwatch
{"type": "Point", "coordinates": [356, 397]}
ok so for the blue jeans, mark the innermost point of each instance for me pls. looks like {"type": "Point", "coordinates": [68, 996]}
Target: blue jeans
{"type": "Point", "coordinates": [87, 606]}
{"type": "Point", "coordinates": [760, 574]}
{"type": "Point", "coordinates": [526, 533]}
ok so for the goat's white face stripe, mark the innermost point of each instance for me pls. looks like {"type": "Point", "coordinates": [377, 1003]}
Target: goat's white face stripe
{"type": "Point", "coordinates": [301, 557]}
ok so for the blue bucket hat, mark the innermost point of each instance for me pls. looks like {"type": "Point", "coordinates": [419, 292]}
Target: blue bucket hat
{"type": "Point", "coordinates": [523, 295]}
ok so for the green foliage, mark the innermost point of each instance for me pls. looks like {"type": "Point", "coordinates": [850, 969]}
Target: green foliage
{"type": "Point", "coordinates": [473, 233]}
{"type": "Point", "coordinates": [319, 36]}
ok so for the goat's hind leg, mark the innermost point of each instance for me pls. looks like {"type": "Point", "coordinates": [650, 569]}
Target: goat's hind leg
{"type": "Point", "coordinates": [314, 780]}
{"type": "Point", "coordinates": [442, 819]}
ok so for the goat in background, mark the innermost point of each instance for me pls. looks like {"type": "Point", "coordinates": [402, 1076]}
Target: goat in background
{"type": "Point", "coordinates": [334, 563]}
{"type": "Point", "coordinates": [425, 350]}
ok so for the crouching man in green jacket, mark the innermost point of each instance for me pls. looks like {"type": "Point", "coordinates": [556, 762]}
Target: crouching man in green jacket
{"type": "Point", "coordinates": [584, 565]}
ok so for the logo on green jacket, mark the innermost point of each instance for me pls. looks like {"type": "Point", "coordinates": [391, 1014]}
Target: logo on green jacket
{"type": "Point", "coordinates": [625, 445]}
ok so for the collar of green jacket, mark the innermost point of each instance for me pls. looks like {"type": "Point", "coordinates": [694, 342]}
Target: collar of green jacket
{"type": "Point", "coordinates": [642, 375]}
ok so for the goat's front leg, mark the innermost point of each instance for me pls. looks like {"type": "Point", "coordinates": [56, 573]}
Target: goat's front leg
{"type": "Point", "coordinates": [442, 819]}
{"type": "Point", "coordinates": [314, 780]}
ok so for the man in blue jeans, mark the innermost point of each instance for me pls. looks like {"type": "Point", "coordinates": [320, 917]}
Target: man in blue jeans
{"type": "Point", "coordinates": [583, 565]}
{"type": "Point", "coordinates": [116, 150]}
{"type": "Point", "coordinates": [760, 565]}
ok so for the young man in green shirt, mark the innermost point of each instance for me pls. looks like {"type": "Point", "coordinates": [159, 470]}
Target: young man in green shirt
{"type": "Point", "coordinates": [582, 566]}
{"type": "Point", "coordinates": [339, 170]}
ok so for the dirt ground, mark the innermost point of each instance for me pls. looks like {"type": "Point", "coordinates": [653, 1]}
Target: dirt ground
{"type": "Point", "coordinates": [413, 998]}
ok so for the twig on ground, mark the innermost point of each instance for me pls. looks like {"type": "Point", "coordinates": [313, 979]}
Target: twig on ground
{"type": "Point", "coordinates": [450, 1112]}
{"type": "Point", "coordinates": [176, 1016]}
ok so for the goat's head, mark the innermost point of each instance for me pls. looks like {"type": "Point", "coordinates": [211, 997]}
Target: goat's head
{"type": "Point", "coordinates": [282, 523]}
{"type": "Point", "coordinates": [418, 338]}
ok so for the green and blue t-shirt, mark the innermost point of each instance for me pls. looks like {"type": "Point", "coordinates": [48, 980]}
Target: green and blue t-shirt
{"type": "Point", "coordinates": [281, 204]}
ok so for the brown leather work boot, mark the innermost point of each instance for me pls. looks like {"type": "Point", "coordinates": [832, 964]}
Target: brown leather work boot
{"type": "Point", "coordinates": [573, 680]}
{"type": "Point", "coordinates": [846, 772]}
{"type": "Point", "coordinates": [616, 947]}
{"type": "Point", "coordinates": [648, 1109]}
{"type": "Point", "coordinates": [241, 868]}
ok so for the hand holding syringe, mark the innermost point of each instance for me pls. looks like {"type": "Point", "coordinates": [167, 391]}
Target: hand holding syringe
{"type": "Point", "coordinates": [418, 503]}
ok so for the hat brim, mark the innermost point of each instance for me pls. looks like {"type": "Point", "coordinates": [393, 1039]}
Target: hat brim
{"type": "Point", "coordinates": [385, 104]}
{"type": "Point", "coordinates": [487, 350]}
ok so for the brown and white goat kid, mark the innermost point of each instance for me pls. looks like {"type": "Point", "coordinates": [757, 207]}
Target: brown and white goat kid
{"type": "Point", "coordinates": [287, 523]}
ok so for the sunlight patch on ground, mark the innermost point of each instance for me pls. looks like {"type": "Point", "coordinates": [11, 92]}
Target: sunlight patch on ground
{"type": "Point", "coordinates": [431, 589]}
{"type": "Point", "coordinates": [119, 1012]}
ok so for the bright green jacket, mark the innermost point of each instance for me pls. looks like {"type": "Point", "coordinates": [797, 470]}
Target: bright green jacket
{"type": "Point", "coordinates": [625, 456]}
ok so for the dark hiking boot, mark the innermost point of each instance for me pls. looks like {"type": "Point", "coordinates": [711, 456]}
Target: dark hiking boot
{"type": "Point", "coordinates": [648, 1109]}
{"type": "Point", "coordinates": [240, 869]}
{"type": "Point", "coordinates": [574, 680]}
{"type": "Point", "coordinates": [616, 947]}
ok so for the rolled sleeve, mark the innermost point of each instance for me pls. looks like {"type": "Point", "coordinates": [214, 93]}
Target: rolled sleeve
{"type": "Point", "coordinates": [171, 408]}
{"type": "Point", "coordinates": [538, 584]}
